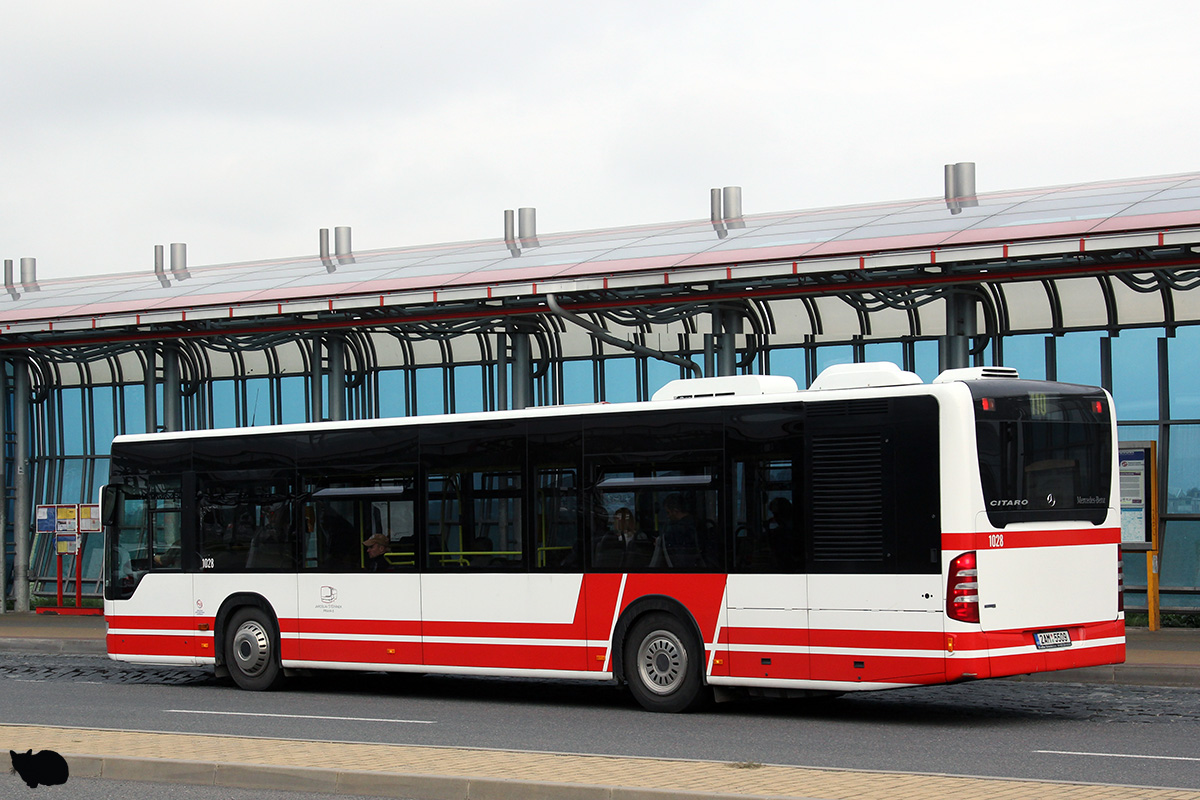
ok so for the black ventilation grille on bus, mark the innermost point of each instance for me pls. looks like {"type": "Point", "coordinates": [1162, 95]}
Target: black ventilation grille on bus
{"type": "Point", "coordinates": [847, 498]}
{"type": "Point", "coordinates": [842, 408]}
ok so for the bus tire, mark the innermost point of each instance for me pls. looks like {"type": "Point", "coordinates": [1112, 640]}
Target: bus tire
{"type": "Point", "coordinates": [663, 662]}
{"type": "Point", "coordinates": [252, 650]}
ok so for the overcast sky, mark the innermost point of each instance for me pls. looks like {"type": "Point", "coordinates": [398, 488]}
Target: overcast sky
{"type": "Point", "coordinates": [241, 128]}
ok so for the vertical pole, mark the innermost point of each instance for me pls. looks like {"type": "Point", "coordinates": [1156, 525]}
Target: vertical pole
{"type": "Point", "coordinates": [502, 369]}
{"type": "Point", "coordinates": [337, 378]}
{"type": "Point", "coordinates": [726, 323]}
{"type": "Point", "coordinates": [316, 381]}
{"type": "Point", "coordinates": [960, 327]}
{"type": "Point", "coordinates": [522, 371]}
{"type": "Point", "coordinates": [79, 544]}
{"type": "Point", "coordinates": [150, 383]}
{"type": "Point", "coordinates": [23, 486]}
{"type": "Point", "coordinates": [172, 391]}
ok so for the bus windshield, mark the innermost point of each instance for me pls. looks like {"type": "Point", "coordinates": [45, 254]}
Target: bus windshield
{"type": "Point", "coordinates": [1045, 451]}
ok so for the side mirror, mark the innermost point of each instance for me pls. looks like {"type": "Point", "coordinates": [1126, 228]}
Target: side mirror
{"type": "Point", "coordinates": [110, 496]}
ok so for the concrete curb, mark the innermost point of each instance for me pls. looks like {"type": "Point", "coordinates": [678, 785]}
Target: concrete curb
{"type": "Point", "coordinates": [1173, 675]}
{"type": "Point", "coordinates": [91, 647]}
{"type": "Point", "coordinates": [365, 783]}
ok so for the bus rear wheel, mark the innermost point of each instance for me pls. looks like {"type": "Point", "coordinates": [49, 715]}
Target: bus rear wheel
{"type": "Point", "coordinates": [252, 650]}
{"type": "Point", "coordinates": [663, 664]}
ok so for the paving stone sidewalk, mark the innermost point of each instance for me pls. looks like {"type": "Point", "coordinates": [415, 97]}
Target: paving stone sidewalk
{"type": "Point", "coordinates": [437, 773]}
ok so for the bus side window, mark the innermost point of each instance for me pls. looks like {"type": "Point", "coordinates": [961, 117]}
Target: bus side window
{"type": "Point", "coordinates": [766, 536]}
{"type": "Point", "coordinates": [556, 537]}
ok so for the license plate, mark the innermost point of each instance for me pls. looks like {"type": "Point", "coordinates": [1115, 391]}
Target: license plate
{"type": "Point", "coordinates": [1047, 640]}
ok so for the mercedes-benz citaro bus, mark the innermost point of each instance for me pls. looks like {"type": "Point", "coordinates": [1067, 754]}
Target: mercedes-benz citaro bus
{"type": "Point", "coordinates": [733, 533]}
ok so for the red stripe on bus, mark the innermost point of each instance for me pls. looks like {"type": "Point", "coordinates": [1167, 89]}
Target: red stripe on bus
{"type": "Point", "coordinates": [340, 650]}
{"type": "Point", "coordinates": [159, 623]}
{"type": "Point", "coordinates": [510, 656]}
{"type": "Point", "coordinates": [150, 645]}
{"type": "Point", "coordinates": [1010, 539]}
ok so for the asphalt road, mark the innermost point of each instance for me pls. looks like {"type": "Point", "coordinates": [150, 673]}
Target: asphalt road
{"type": "Point", "coordinates": [1049, 731]}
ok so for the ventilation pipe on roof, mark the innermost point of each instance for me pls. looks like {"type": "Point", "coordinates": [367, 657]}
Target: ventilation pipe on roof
{"type": "Point", "coordinates": [510, 232]}
{"type": "Point", "coordinates": [29, 274]}
{"type": "Point", "coordinates": [733, 206]}
{"type": "Point", "coordinates": [179, 261]}
{"type": "Point", "coordinates": [8, 279]}
{"type": "Point", "coordinates": [960, 186]}
{"type": "Point", "coordinates": [725, 209]}
{"type": "Point", "coordinates": [324, 245]}
{"type": "Point", "coordinates": [160, 271]}
{"type": "Point", "coordinates": [527, 227]}
{"type": "Point", "coordinates": [714, 213]}
{"type": "Point", "coordinates": [341, 245]}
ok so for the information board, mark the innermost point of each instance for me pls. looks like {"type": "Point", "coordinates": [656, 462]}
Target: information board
{"type": "Point", "coordinates": [1136, 468]}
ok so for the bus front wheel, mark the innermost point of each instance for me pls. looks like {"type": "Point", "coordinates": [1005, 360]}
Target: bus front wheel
{"type": "Point", "coordinates": [663, 664]}
{"type": "Point", "coordinates": [252, 650]}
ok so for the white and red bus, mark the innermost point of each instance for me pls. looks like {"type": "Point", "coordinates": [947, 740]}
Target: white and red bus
{"type": "Point", "coordinates": [870, 532]}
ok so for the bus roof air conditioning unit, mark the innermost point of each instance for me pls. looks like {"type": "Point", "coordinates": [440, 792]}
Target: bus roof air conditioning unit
{"type": "Point", "coordinates": [977, 374]}
{"type": "Point", "coordinates": [727, 386]}
{"type": "Point", "coordinates": [862, 376]}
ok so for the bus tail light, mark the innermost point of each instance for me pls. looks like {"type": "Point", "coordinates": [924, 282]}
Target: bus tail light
{"type": "Point", "coordinates": [962, 589]}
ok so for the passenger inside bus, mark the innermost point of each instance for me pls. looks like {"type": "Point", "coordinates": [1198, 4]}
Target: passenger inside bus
{"type": "Point", "coordinates": [377, 546]}
{"type": "Point", "coordinates": [679, 540]}
{"type": "Point", "coordinates": [622, 546]}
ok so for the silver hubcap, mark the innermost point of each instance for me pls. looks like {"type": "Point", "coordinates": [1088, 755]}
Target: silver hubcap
{"type": "Point", "coordinates": [662, 662]}
{"type": "Point", "coordinates": [251, 648]}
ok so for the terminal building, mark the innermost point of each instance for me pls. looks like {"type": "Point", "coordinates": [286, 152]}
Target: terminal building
{"type": "Point", "coordinates": [1094, 283]}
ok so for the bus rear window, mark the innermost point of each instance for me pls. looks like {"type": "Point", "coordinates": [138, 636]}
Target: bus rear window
{"type": "Point", "coordinates": [1044, 453]}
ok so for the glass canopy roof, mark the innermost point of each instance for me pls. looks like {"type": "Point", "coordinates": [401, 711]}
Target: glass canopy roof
{"type": "Point", "coordinates": [638, 255]}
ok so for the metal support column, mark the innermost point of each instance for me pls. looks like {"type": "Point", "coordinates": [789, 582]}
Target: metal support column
{"type": "Point", "coordinates": [522, 389]}
{"type": "Point", "coordinates": [23, 487]}
{"type": "Point", "coordinates": [172, 391]}
{"type": "Point", "coordinates": [725, 328]}
{"type": "Point", "coordinates": [502, 371]}
{"type": "Point", "coordinates": [150, 390]}
{"type": "Point", "coordinates": [337, 378]}
{"type": "Point", "coordinates": [960, 327]}
{"type": "Point", "coordinates": [317, 380]}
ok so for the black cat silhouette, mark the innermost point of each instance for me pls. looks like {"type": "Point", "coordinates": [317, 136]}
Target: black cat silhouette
{"type": "Point", "coordinates": [45, 767]}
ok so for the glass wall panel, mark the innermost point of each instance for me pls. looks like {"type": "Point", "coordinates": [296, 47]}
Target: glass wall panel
{"type": "Point", "coordinates": [391, 393]}
{"type": "Point", "coordinates": [1079, 358]}
{"type": "Point", "coordinates": [103, 398]}
{"type": "Point", "coordinates": [578, 384]}
{"type": "Point", "coordinates": [1135, 373]}
{"type": "Point", "coordinates": [224, 404]}
{"type": "Point", "coordinates": [134, 395]}
{"type": "Point", "coordinates": [72, 421]}
{"type": "Point", "coordinates": [1137, 433]}
{"type": "Point", "coordinates": [468, 389]}
{"type": "Point", "coordinates": [925, 359]}
{"type": "Point", "coordinates": [833, 354]}
{"type": "Point", "coordinates": [1183, 470]}
{"type": "Point", "coordinates": [1184, 376]}
{"type": "Point", "coordinates": [885, 351]}
{"type": "Point", "coordinates": [1027, 355]}
{"type": "Point", "coordinates": [258, 401]}
{"type": "Point", "coordinates": [292, 396]}
{"type": "Point", "coordinates": [790, 362]}
{"type": "Point", "coordinates": [431, 394]}
{"type": "Point", "coordinates": [660, 373]}
{"type": "Point", "coordinates": [620, 380]}
{"type": "Point", "coordinates": [1180, 563]}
